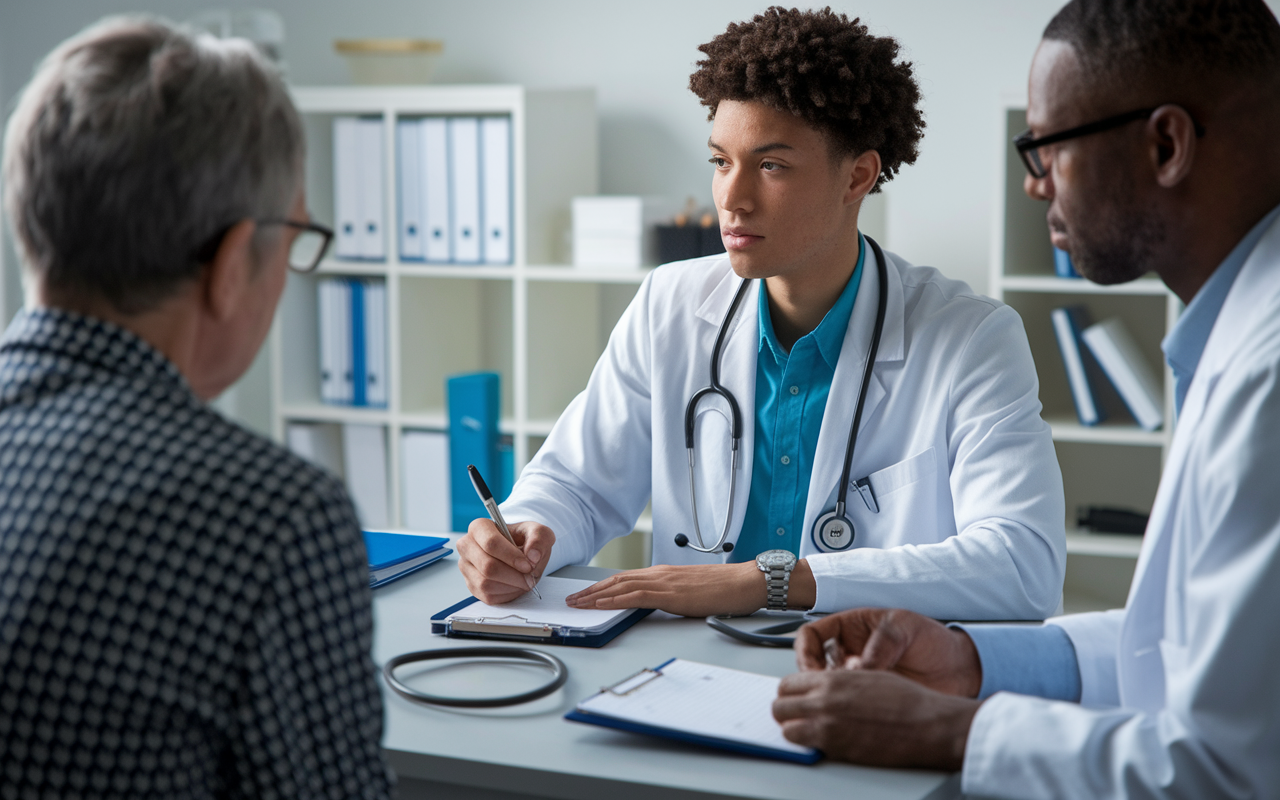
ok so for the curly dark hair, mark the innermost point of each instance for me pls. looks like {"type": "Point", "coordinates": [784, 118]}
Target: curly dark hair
{"type": "Point", "coordinates": [826, 69]}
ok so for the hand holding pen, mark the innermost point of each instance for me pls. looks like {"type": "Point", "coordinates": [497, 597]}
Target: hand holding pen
{"type": "Point", "coordinates": [473, 559]}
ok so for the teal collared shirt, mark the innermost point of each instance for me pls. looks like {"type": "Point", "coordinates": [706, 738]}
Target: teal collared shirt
{"type": "Point", "coordinates": [791, 396]}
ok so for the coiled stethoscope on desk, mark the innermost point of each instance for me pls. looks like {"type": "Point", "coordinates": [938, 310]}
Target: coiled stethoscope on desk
{"type": "Point", "coordinates": [833, 530]}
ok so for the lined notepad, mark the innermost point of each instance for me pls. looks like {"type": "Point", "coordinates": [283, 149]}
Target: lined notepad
{"type": "Point", "coordinates": [690, 699]}
{"type": "Point", "coordinates": [550, 610]}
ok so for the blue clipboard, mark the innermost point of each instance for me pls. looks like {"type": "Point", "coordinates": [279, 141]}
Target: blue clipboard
{"type": "Point", "coordinates": [439, 626]}
{"type": "Point", "coordinates": [675, 734]}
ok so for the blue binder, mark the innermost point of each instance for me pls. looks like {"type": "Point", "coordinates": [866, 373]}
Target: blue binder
{"type": "Point", "coordinates": [359, 351]}
{"type": "Point", "coordinates": [474, 402]}
{"type": "Point", "coordinates": [392, 556]}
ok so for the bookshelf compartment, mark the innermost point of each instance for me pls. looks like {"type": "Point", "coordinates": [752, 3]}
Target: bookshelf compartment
{"type": "Point", "coordinates": [569, 326]}
{"type": "Point", "coordinates": [1114, 475]}
{"type": "Point", "coordinates": [1143, 316]}
{"type": "Point", "coordinates": [450, 326]}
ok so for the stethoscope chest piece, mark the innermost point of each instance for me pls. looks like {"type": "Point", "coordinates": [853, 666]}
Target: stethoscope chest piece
{"type": "Point", "coordinates": [833, 531]}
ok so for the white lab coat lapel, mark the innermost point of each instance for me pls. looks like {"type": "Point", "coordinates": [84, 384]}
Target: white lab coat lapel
{"type": "Point", "coordinates": [1254, 292]}
{"type": "Point", "coordinates": [738, 375]}
{"type": "Point", "coordinates": [833, 438]}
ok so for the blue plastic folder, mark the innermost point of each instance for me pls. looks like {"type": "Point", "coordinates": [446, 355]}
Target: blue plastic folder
{"type": "Point", "coordinates": [699, 704]}
{"type": "Point", "coordinates": [395, 555]}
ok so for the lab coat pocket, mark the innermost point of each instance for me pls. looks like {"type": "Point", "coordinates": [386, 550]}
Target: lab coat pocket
{"type": "Point", "coordinates": [713, 462]}
{"type": "Point", "coordinates": [907, 495]}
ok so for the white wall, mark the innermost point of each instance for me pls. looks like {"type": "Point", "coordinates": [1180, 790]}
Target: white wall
{"type": "Point", "coordinates": [639, 56]}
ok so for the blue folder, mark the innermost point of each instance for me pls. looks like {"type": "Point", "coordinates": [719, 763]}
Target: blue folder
{"type": "Point", "coordinates": [394, 555]}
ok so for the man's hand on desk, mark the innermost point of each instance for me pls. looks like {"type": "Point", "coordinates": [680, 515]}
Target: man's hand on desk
{"type": "Point", "coordinates": [497, 571]}
{"type": "Point", "coordinates": [697, 590]}
{"type": "Point", "coordinates": [912, 645]}
{"type": "Point", "coordinates": [883, 687]}
{"type": "Point", "coordinates": [874, 718]}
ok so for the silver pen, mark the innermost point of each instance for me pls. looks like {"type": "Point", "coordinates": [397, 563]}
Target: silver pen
{"type": "Point", "coordinates": [491, 506]}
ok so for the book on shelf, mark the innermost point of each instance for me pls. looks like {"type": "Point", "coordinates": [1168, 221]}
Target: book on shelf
{"type": "Point", "coordinates": [454, 184]}
{"type": "Point", "coordinates": [1089, 387]}
{"type": "Point", "coordinates": [353, 342]}
{"type": "Point", "coordinates": [425, 484]}
{"type": "Point", "coordinates": [1134, 379]}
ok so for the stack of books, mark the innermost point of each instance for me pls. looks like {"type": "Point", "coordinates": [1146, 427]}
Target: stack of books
{"type": "Point", "coordinates": [1102, 357]}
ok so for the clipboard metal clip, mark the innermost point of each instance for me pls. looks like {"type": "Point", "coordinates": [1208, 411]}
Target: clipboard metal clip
{"type": "Point", "coordinates": [630, 683]}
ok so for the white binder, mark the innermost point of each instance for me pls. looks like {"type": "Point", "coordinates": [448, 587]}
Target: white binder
{"type": "Point", "coordinates": [329, 383]}
{"type": "Point", "coordinates": [495, 167]}
{"type": "Point", "coordinates": [365, 450]}
{"type": "Point", "coordinates": [464, 172]}
{"type": "Point", "coordinates": [346, 187]}
{"type": "Point", "coordinates": [375, 342]}
{"type": "Point", "coordinates": [435, 182]}
{"type": "Point", "coordinates": [372, 237]}
{"type": "Point", "coordinates": [410, 188]}
{"type": "Point", "coordinates": [425, 485]}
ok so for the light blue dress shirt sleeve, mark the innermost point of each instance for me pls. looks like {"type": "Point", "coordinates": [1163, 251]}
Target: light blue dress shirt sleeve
{"type": "Point", "coordinates": [1036, 660]}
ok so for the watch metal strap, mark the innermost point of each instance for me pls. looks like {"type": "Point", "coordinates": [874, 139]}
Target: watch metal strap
{"type": "Point", "coordinates": [779, 582]}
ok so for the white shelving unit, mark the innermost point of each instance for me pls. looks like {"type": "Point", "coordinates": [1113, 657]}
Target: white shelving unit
{"type": "Point", "coordinates": [539, 324]}
{"type": "Point", "coordinates": [1115, 463]}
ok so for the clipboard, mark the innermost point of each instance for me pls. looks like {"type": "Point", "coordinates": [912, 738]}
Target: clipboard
{"type": "Point", "coordinates": [640, 704]}
{"type": "Point", "coordinates": [537, 622]}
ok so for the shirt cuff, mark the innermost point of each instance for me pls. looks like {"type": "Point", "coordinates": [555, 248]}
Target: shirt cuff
{"type": "Point", "coordinates": [1036, 660]}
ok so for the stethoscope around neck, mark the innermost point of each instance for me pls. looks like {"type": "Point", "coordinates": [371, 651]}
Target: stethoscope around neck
{"type": "Point", "coordinates": [833, 530]}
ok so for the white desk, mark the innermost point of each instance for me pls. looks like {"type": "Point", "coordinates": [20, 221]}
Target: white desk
{"type": "Point", "coordinates": [531, 750]}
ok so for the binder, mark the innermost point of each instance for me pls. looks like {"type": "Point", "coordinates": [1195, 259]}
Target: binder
{"type": "Point", "coordinates": [410, 189]}
{"type": "Point", "coordinates": [474, 400]}
{"type": "Point", "coordinates": [1082, 374]}
{"type": "Point", "coordinates": [543, 621]}
{"type": "Point", "coordinates": [1129, 372]}
{"type": "Point", "coordinates": [495, 168]}
{"type": "Point", "coordinates": [317, 443]}
{"type": "Point", "coordinates": [372, 240]}
{"type": "Point", "coordinates": [341, 333]}
{"type": "Point", "coordinates": [425, 481]}
{"type": "Point", "coordinates": [330, 383]}
{"type": "Point", "coordinates": [464, 177]}
{"type": "Point", "coordinates": [377, 388]}
{"type": "Point", "coordinates": [359, 370]}
{"type": "Point", "coordinates": [699, 704]}
{"type": "Point", "coordinates": [394, 555]}
{"type": "Point", "coordinates": [346, 187]}
{"type": "Point", "coordinates": [365, 451]}
{"type": "Point", "coordinates": [436, 192]}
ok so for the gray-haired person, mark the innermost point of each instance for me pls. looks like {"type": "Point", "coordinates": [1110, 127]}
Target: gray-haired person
{"type": "Point", "coordinates": [184, 606]}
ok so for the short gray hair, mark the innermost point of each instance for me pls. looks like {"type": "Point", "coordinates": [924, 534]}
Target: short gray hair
{"type": "Point", "coordinates": [134, 146]}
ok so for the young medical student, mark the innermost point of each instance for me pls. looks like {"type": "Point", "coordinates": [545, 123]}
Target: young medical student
{"type": "Point", "coordinates": [1153, 139]}
{"type": "Point", "coordinates": [950, 502]}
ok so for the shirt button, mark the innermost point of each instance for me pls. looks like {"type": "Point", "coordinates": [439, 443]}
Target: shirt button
{"type": "Point", "coordinates": [786, 459]}
{"type": "Point", "coordinates": [782, 531]}
{"type": "Point", "coordinates": [795, 390]}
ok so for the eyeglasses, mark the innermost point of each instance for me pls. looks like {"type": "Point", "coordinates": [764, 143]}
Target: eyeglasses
{"type": "Point", "coordinates": [309, 246]}
{"type": "Point", "coordinates": [1038, 165]}
{"type": "Point", "coordinates": [305, 254]}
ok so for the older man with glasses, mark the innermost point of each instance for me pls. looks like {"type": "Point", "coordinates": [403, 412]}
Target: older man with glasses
{"type": "Point", "coordinates": [184, 606]}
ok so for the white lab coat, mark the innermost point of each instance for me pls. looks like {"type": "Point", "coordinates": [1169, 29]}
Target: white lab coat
{"type": "Point", "coordinates": [971, 508]}
{"type": "Point", "coordinates": [1180, 690]}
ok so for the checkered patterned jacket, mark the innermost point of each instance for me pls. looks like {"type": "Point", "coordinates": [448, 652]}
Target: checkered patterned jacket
{"type": "Point", "coordinates": [184, 606]}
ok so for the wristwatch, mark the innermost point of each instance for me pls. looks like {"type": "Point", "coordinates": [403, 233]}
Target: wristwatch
{"type": "Point", "coordinates": [777, 566]}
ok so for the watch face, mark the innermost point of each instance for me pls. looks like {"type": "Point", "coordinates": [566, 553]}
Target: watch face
{"type": "Point", "coordinates": [775, 558]}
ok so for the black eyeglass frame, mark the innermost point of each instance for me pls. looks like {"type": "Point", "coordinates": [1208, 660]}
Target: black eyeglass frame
{"type": "Point", "coordinates": [1027, 146]}
{"type": "Point", "coordinates": [205, 253]}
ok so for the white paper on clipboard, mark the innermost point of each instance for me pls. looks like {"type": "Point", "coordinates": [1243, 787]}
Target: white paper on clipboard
{"type": "Point", "coordinates": [549, 612]}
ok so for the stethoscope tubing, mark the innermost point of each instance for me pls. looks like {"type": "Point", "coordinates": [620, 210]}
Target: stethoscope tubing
{"type": "Point", "coordinates": [560, 674]}
{"type": "Point", "coordinates": [717, 388]}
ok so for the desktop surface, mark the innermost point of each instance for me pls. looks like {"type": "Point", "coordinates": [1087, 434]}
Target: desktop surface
{"type": "Point", "coordinates": [531, 750]}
